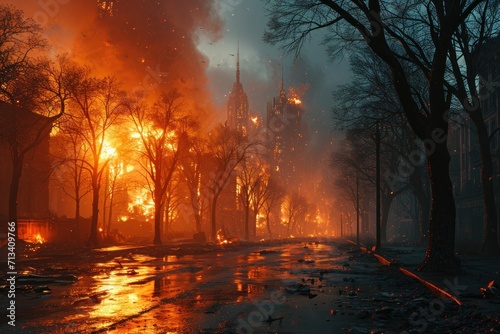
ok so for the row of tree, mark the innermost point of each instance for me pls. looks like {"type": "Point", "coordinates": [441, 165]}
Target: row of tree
{"type": "Point", "coordinates": [107, 140]}
{"type": "Point", "coordinates": [438, 41]}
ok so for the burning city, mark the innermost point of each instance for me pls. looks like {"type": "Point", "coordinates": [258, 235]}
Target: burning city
{"type": "Point", "coordinates": [240, 166]}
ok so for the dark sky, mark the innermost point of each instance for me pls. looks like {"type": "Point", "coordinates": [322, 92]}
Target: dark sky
{"type": "Point", "coordinates": [245, 21]}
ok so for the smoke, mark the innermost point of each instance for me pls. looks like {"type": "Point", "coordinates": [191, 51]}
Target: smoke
{"type": "Point", "coordinates": [149, 45]}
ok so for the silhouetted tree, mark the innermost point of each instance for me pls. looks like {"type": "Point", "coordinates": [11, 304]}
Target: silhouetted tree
{"type": "Point", "coordinates": [96, 106]}
{"type": "Point", "coordinates": [194, 163]}
{"type": "Point", "coordinates": [161, 133]}
{"type": "Point", "coordinates": [32, 93]}
{"type": "Point", "coordinates": [227, 149]}
{"type": "Point", "coordinates": [383, 26]}
{"type": "Point", "coordinates": [273, 195]}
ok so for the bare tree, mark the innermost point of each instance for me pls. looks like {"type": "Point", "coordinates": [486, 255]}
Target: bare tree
{"type": "Point", "coordinates": [193, 165]}
{"type": "Point", "coordinates": [273, 194]}
{"type": "Point", "coordinates": [161, 133]}
{"type": "Point", "coordinates": [260, 194]}
{"type": "Point", "coordinates": [251, 191]}
{"type": "Point", "coordinates": [295, 208]}
{"type": "Point", "coordinates": [472, 46]}
{"type": "Point", "coordinates": [19, 39]}
{"type": "Point", "coordinates": [227, 148]}
{"type": "Point", "coordinates": [383, 26]}
{"type": "Point", "coordinates": [70, 154]}
{"type": "Point", "coordinates": [32, 93]}
{"type": "Point", "coordinates": [371, 99]}
{"type": "Point", "coordinates": [96, 106]}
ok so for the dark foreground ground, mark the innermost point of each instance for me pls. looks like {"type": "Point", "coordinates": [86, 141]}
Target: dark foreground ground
{"type": "Point", "coordinates": [297, 286]}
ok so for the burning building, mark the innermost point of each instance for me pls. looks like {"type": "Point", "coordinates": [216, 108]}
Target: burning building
{"type": "Point", "coordinates": [284, 121]}
{"type": "Point", "coordinates": [237, 104]}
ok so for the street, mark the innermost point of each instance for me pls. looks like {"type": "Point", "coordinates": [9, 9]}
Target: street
{"type": "Point", "coordinates": [268, 288]}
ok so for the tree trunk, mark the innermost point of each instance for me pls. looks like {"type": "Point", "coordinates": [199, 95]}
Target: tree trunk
{"type": "Point", "coordinates": [158, 213]}
{"type": "Point", "coordinates": [490, 241]}
{"type": "Point", "coordinates": [197, 208]}
{"type": "Point", "coordinates": [247, 218]}
{"type": "Point", "coordinates": [440, 256]}
{"type": "Point", "coordinates": [77, 209]}
{"type": "Point", "coordinates": [110, 213]}
{"type": "Point", "coordinates": [386, 207]}
{"type": "Point", "coordinates": [94, 237]}
{"type": "Point", "coordinates": [269, 226]}
{"type": "Point", "coordinates": [213, 217]}
{"type": "Point", "coordinates": [255, 217]}
{"type": "Point", "coordinates": [420, 189]}
{"type": "Point", "coordinates": [197, 219]}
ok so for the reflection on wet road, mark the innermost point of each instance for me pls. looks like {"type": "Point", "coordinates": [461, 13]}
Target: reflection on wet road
{"type": "Point", "coordinates": [287, 288]}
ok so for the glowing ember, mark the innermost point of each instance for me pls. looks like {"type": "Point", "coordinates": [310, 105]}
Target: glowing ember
{"type": "Point", "coordinates": [255, 120]}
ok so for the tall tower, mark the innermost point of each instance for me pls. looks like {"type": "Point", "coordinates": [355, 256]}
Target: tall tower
{"type": "Point", "coordinates": [237, 104]}
{"type": "Point", "coordinates": [284, 121]}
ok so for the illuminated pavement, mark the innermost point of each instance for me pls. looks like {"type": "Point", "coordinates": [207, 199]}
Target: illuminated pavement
{"type": "Point", "coordinates": [273, 287]}
{"type": "Point", "coordinates": [224, 291]}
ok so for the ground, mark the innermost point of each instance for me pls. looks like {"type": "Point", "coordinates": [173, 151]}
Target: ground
{"type": "Point", "coordinates": [293, 286]}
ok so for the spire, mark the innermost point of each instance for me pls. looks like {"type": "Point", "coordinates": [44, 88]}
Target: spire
{"type": "Point", "coordinates": [282, 76]}
{"type": "Point", "coordinates": [282, 91]}
{"type": "Point", "coordinates": [238, 63]}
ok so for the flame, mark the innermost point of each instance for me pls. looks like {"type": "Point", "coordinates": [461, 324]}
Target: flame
{"type": "Point", "coordinates": [38, 239]}
{"type": "Point", "coordinates": [255, 120]}
{"type": "Point", "coordinates": [142, 200]}
{"type": "Point", "coordinates": [221, 239]}
{"type": "Point", "coordinates": [296, 92]}
{"type": "Point", "coordinates": [108, 151]}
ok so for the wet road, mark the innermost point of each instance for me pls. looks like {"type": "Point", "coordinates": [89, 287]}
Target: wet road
{"type": "Point", "coordinates": [302, 287]}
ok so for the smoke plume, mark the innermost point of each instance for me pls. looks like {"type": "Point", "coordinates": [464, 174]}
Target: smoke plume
{"type": "Point", "coordinates": [147, 44]}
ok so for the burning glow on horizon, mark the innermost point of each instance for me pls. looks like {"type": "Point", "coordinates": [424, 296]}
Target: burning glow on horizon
{"type": "Point", "coordinates": [37, 239]}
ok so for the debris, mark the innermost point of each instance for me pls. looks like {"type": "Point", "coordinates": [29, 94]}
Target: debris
{"type": "Point", "coordinates": [32, 278]}
{"type": "Point", "coordinates": [298, 289]}
{"type": "Point", "coordinates": [270, 320]}
{"type": "Point", "coordinates": [42, 289]}
{"type": "Point", "coordinates": [492, 290]}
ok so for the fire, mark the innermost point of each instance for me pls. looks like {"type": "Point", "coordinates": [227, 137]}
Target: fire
{"type": "Point", "coordinates": [221, 238]}
{"type": "Point", "coordinates": [296, 92]}
{"type": "Point", "coordinates": [38, 239]}
{"type": "Point", "coordinates": [108, 151]}
{"type": "Point", "coordinates": [255, 120]}
{"type": "Point", "coordinates": [142, 201]}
